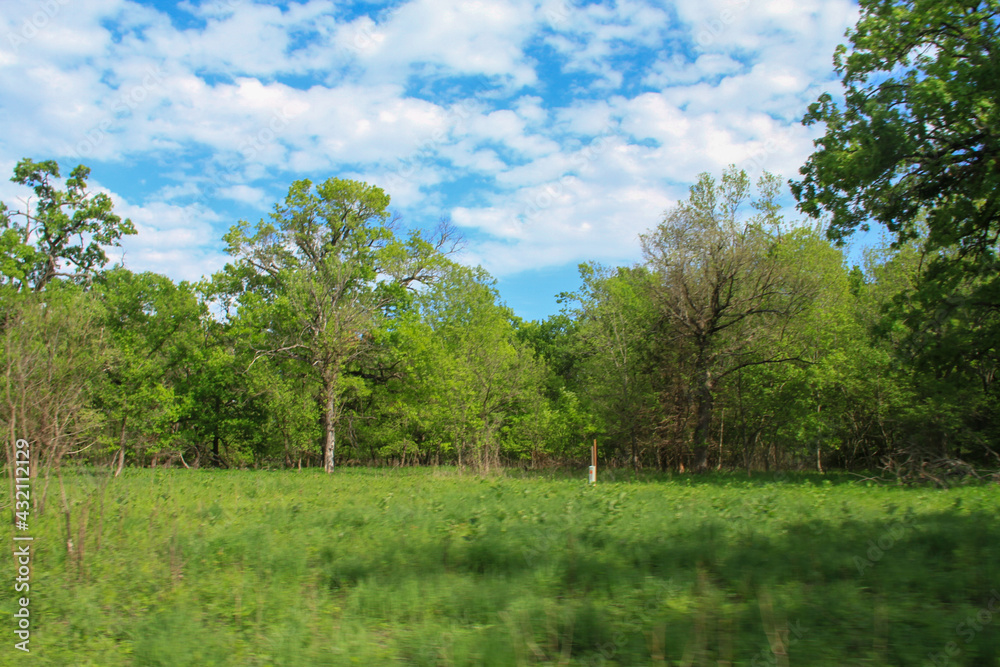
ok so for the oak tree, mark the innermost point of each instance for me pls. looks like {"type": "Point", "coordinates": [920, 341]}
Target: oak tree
{"type": "Point", "coordinates": [317, 277]}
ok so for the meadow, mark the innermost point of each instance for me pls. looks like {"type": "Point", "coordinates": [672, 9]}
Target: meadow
{"type": "Point", "coordinates": [435, 567]}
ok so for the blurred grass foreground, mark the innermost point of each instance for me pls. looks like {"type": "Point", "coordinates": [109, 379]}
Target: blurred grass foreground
{"type": "Point", "coordinates": [434, 567]}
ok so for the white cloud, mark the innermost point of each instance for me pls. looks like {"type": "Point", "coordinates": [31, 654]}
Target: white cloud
{"type": "Point", "coordinates": [676, 70]}
{"type": "Point", "coordinates": [589, 36]}
{"type": "Point", "coordinates": [423, 99]}
{"type": "Point", "coordinates": [479, 37]}
{"type": "Point", "coordinates": [563, 221]}
{"type": "Point", "coordinates": [182, 242]}
{"type": "Point", "coordinates": [245, 194]}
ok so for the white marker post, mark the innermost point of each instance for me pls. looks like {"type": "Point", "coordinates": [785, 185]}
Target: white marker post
{"type": "Point", "coordinates": [593, 463]}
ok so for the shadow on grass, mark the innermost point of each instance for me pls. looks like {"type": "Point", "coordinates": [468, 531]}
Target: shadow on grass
{"type": "Point", "coordinates": [888, 592]}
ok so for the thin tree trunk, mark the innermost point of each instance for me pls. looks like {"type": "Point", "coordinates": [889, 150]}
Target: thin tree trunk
{"type": "Point", "coordinates": [216, 457]}
{"type": "Point", "coordinates": [819, 444]}
{"type": "Point", "coordinates": [121, 450]}
{"type": "Point", "coordinates": [702, 432]}
{"type": "Point", "coordinates": [635, 449]}
{"type": "Point", "coordinates": [12, 461]}
{"type": "Point", "coordinates": [328, 422]}
{"type": "Point", "coordinates": [722, 437]}
{"type": "Point", "coordinates": [328, 447]}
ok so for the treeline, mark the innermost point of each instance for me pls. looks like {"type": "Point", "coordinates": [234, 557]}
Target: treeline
{"type": "Point", "coordinates": [740, 341]}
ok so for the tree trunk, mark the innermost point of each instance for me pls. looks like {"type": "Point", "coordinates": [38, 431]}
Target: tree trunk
{"type": "Point", "coordinates": [216, 458]}
{"type": "Point", "coordinates": [328, 422]}
{"type": "Point", "coordinates": [12, 458]}
{"type": "Point", "coordinates": [121, 461]}
{"type": "Point", "coordinates": [702, 432]}
{"type": "Point", "coordinates": [121, 450]}
{"type": "Point", "coordinates": [329, 442]}
{"type": "Point", "coordinates": [819, 458]}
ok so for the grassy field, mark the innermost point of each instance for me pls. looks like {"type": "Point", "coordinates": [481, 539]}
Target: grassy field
{"type": "Point", "coordinates": [431, 567]}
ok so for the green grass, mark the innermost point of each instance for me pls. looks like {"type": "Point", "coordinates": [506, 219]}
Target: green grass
{"type": "Point", "coordinates": [430, 567]}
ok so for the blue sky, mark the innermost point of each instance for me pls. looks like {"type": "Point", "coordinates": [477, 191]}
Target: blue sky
{"type": "Point", "coordinates": [551, 132]}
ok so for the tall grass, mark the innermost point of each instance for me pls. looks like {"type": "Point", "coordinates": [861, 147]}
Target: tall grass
{"type": "Point", "coordinates": [431, 567]}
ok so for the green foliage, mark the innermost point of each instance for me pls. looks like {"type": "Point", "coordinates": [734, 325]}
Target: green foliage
{"type": "Point", "coordinates": [723, 296]}
{"type": "Point", "coordinates": [155, 334]}
{"type": "Point", "coordinates": [740, 342]}
{"type": "Point", "coordinates": [49, 241]}
{"type": "Point", "coordinates": [471, 384]}
{"type": "Point", "coordinates": [51, 350]}
{"type": "Point", "coordinates": [611, 340]}
{"type": "Point", "coordinates": [433, 567]}
{"type": "Point", "coordinates": [914, 147]}
{"type": "Point", "coordinates": [315, 283]}
{"type": "Point", "coordinates": [918, 129]}
{"type": "Point", "coordinates": [941, 356]}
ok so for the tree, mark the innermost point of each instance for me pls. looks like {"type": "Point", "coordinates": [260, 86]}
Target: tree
{"type": "Point", "coordinates": [915, 146]}
{"type": "Point", "coordinates": [44, 244]}
{"type": "Point", "coordinates": [803, 409]}
{"type": "Point", "coordinates": [943, 358]}
{"type": "Point", "coordinates": [51, 344]}
{"type": "Point", "coordinates": [614, 319]}
{"type": "Point", "coordinates": [469, 376]}
{"type": "Point", "coordinates": [51, 348]}
{"type": "Point", "coordinates": [920, 128]}
{"type": "Point", "coordinates": [720, 289]}
{"type": "Point", "coordinates": [318, 277]}
{"type": "Point", "coordinates": [155, 335]}
{"type": "Point", "coordinates": [561, 423]}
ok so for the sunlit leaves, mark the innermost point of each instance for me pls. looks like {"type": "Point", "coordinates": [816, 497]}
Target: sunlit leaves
{"type": "Point", "coordinates": [918, 130]}
{"type": "Point", "coordinates": [61, 232]}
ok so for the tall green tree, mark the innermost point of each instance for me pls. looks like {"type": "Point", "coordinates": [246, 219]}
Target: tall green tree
{"type": "Point", "coordinates": [562, 422]}
{"type": "Point", "coordinates": [915, 146]}
{"type": "Point", "coordinates": [51, 343]}
{"type": "Point", "coordinates": [942, 357]}
{"type": "Point", "coordinates": [919, 130]}
{"type": "Point", "coordinates": [319, 276]}
{"type": "Point", "coordinates": [469, 377]}
{"type": "Point", "coordinates": [786, 412]}
{"type": "Point", "coordinates": [615, 318]}
{"type": "Point", "coordinates": [51, 351]}
{"type": "Point", "coordinates": [155, 338]}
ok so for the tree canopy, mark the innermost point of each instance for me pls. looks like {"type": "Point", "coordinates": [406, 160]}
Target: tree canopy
{"type": "Point", "coordinates": [740, 339]}
{"type": "Point", "coordinates": [317, 279]}
{"type": "Point", "coordinates": [918, 133]}
{"type": "Point", "coordinates": [63, 233]}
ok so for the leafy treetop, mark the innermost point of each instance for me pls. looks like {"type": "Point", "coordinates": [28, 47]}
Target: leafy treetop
{"type": "Point", "coordinates": [919, 129]}
{"type": "Point", "coordinates": [65, 234]}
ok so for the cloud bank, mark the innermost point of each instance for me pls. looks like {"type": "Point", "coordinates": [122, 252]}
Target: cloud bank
{"type": "Point", "coordinates": [551, 131]}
